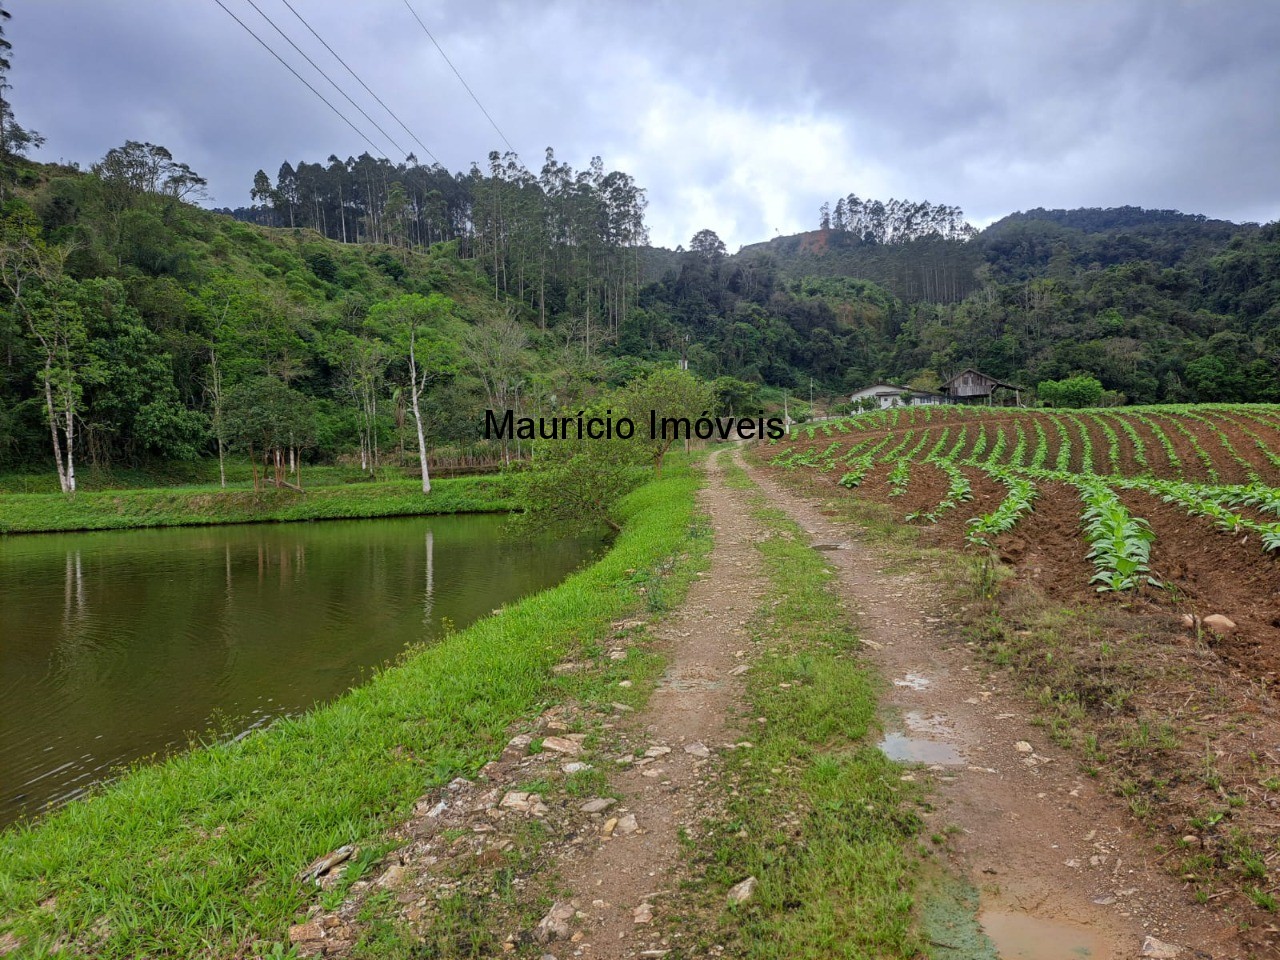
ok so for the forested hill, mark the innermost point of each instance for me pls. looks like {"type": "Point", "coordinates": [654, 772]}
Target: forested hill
{"type": "Point", "coordinates": [161, 327]}
{"type": "Point", "coordinates": [1159, 305]}
{"type": "Point", "coordinates": [1018, 246]}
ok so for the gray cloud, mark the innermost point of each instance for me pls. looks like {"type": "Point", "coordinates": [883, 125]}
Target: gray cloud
{"type": "Point", "coordinates": [741, 116]}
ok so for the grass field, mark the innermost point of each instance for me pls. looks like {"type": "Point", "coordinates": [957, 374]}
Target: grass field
{"type": "Point", "coordinates": [186, 506]}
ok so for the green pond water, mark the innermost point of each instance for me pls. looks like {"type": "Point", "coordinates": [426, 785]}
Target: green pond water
{"type": "Point", "coordinates": [118, 646]}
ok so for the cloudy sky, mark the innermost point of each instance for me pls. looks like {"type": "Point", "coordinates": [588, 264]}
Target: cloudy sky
{"type": "Point", "coordinates": [737, 115]}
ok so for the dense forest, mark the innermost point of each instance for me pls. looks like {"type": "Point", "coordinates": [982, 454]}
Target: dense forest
{"type": "Point", "coordinates": [368, 312]}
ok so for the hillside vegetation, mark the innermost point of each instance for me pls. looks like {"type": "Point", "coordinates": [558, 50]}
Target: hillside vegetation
{"type": "Point", "coordinates": [166, 333]}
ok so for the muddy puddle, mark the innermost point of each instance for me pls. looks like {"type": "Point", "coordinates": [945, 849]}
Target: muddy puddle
{"type": "Point", "coordinates": [1020, 936]}
{"type": "Point", "coordinates": [912, 681]}
{"type": "Point", "coordinates": [925, 740]}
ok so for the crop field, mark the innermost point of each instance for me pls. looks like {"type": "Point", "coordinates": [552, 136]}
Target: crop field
{"type": "Point", "coordinates": [1168, 508]}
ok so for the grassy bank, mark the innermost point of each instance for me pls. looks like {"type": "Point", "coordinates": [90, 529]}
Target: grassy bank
{"type": "Point", "coordinates": [196, 856]}
{"type": "Point", "coordinates": [818, 814]}
{"type": "Point", "coordinates": [184, 507]}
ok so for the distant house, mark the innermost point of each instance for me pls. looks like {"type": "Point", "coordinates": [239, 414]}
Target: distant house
{"type": "Point", "coordinates": [886, 395]}
{"type": "Point", "coordinates": [973, 386]}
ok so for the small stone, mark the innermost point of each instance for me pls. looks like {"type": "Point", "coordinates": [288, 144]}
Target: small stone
{"type": "Point", "coordinates": [1159, 950]}
{"type": "Point", "coordinates": [655, 752]}
{"type": "Point", "coordinates": [520, 742]}
{"type": "Point", "coordinates": [575, 766]}
{"type": "Point", "coordinates": [555, 925]}
{"type": "Point", "coordinates": [609, 826]}
{"type": "Point", "coordinates": [628, 825]}
{"type": "Point", "coordinates": [392, 877]}
{"type": "Point", "coordinates": [625, 684]}
{"type": "Point", "coordinates": [598, 805]}
{"type": "Point", "coordinates": [739, 670]}
{"type": "Point", "coordinates": [438, 809]}
{"type": "Point", "coordinates": [642, 914]}
{"type": "Point", "coordinates": [327, 863]}
{"type": "Point", "coordinates": [1023, 747]}
{"type": "Point", "coordinates": [1220, 625]}
{"type": "Point", "coordinates": [302, 932]}
{"type": "Point", "coordinates": [516, 800]}
{"type": "Point", "coordinates": [562, 745]}
{"type": "Point", "coordinates": [1191, 840]}
{"type": "Point", "coordinates": [622, 708]}
{"type": "Point", "coordinates": [697, 750]}
{"type": "Point", "coordinates": [741, 892]}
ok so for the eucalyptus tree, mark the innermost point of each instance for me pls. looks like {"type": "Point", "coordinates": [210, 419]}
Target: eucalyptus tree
{"type": "Point", "coordinates": [31, 272]}
{"type": "Point", "coordinates": [425, 331]}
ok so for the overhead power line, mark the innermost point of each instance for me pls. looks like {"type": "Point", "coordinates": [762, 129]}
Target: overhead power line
{"type": "Point", "coordinates": [460, 80]}
{"type": "Point", "coordinates": [301, 78]}
{"type": "Point", "coordinates": [425, 148]}
{"type": "Point", "coordinates": [332, 83]}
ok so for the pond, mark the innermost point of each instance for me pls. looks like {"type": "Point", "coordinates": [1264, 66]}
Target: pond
{"type": "Point", "coordinates": [117, 646]}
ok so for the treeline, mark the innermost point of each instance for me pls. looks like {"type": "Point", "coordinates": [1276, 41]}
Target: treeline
{"type": "Point", "coordinates": [561, 241]}
{"type": "Point", "coordinates": [895, 221]}
{"type": "Point", "coordinates": [137, 329]}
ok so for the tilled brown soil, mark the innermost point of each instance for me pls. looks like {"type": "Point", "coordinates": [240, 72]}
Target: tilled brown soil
{"type": "Point", "coordinates": [1209, 571]}
{"type": "Point", "coordinates": [1203, 570]}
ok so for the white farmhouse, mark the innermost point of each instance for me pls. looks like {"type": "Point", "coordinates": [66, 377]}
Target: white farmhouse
{"type": "Point", "coordinates": [886, 395]}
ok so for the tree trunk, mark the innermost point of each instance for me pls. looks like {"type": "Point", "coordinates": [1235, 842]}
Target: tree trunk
{"type": "Point", "coordinates": [415, 390]}
{"type": "Point", "coordinates": [215, 372]}
{"type": "Point", "coordinates": [53, 432]}
{"type": "Point", "coordinates": [70, 431]}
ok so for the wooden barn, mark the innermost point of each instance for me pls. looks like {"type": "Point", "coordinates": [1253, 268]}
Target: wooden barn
{"type": "Point", "coordinates": [974, 386]}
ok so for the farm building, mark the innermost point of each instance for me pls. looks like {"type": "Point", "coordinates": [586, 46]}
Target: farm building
{"type": "Point", "coordinates": [973, 386]}
{"type": "Point", "coordinates": [886, 395]}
